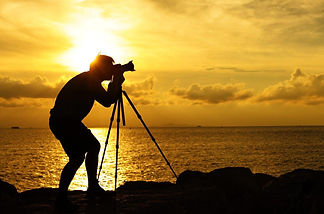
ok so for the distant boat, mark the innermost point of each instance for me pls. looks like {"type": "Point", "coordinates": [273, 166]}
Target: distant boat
{"type": "Point", "coordinates": [15, 127]}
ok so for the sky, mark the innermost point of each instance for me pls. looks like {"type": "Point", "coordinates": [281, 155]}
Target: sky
{"type": "Point", "coordinates": [198, 62]}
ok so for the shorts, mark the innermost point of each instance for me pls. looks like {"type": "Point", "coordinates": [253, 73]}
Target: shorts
{"type": "Point", "coordinates": [75, 137]}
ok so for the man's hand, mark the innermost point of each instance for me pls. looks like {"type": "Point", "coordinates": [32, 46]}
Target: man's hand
{"type": "Point", "coordinates": [119, 79]}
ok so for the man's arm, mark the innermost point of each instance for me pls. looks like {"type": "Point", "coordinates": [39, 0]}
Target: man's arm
{"type": "Point", "coordinates": [106, 98]}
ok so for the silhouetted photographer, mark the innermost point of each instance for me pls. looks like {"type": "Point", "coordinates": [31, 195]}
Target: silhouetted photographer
{"type": "Point", "coordinates": [72, 105]}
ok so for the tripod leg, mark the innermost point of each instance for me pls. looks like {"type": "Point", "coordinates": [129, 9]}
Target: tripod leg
{"type": "Point", "coordinates": [148, 131]}
{"type": "Point", "coordinates": [117, 141]}
{"type": "Point", "coordinates": [122, 108]}
{"type": "Point", "coordinates": [106, 143]}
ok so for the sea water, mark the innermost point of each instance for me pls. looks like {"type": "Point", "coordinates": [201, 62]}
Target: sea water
{"type": "Point", "coordinates": [33, 158]}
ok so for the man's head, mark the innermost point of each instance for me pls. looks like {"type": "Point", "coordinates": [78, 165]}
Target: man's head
{"type": "Point", "coordinates": [102, 67]}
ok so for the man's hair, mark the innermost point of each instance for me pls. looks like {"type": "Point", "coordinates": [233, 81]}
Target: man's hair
{"type": "Point", "coordinates": [101, 60]}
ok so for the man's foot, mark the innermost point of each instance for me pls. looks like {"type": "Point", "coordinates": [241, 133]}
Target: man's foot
{"type": "Point", "coordinates": [97, 190]}
{"type": "Point", "coordinates": [62, 203]}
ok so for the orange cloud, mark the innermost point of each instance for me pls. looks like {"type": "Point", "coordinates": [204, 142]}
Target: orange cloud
{"type": "Point", "coordinates": [37, 88]}
{"type": "Point", "coordinates": [12, 90]}
{"type": "Point", "coordinates": [301, 87]}
{"type": "Point", "coordinates": [289, 21]}
{"type": "Point", "coordinates": [142, 93]}
{"type": "Point", "coordinates": [213, 94]}
{"type": "Point", "coordinates": [20, 103]}
{"type": "Point", "coordinates": [138, 89]}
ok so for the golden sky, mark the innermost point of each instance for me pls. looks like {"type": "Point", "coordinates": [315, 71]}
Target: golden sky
{"type": "Point", "coordinates": [198, 62]}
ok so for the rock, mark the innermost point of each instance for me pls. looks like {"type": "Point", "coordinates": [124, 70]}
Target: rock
{"type": "Point", "coordinates": [39, 200]}
{"type": "Point", "coordinates": [7, 190]}
{"type": "Point", "coordinates": [299, 191]}
{"type": "Point", "coordinates": [232, 172]}
{"type": "Point", "coordinates": [230, 189]}
{"type": "Point", "coordinates": [145, 185]}
{"type": "Point", "coordinates": [9, 198]}
{"type": "Point", "coordinates": [263, 179]}
{"type": "Point", "coordinates": [234, 178]}
{"type": "Point", "coordinates": [227, 179]}
{"type": "Point", "coordinates": [189, 177]}
{"type": "Point", "coordinates": [227, 191]}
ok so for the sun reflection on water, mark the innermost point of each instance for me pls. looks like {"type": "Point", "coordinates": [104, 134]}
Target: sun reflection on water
{"type": "Point", "coordinates": [127, 168]}
{"type": "Point", "coordinates": [33, 158]}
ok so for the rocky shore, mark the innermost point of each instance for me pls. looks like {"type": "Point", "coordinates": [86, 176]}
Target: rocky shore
{"type": "Point", "coordinates": [225, 190]}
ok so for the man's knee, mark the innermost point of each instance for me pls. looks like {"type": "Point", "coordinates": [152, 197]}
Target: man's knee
{"type": "Point", "coordinates": [95, 147]}
{"type": "Point", "coordinates": [77, 160]}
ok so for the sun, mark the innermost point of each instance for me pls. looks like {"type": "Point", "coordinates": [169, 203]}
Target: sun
{"type": "Point", "coordinates": [91, 36]}
{"type": "Point", "coordinates": [86, 49]}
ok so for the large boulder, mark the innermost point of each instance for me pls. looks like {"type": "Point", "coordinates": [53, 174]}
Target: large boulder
{"type": "Point", "coordinates": [229, 178]}
{"type": "Point", "coordinates": [299, 191]}
{"type": "Point", "coordinates": [225, 190]}
{"type": "Point", "coordinates": [9, 198]}
{"type": "Point", "coordinates": [263, 180]}
{"type": "Point", "coordinates": [192, 178]}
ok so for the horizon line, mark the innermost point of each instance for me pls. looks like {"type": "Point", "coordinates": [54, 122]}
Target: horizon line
{"type": "Point", "coordinates": [197, 126]}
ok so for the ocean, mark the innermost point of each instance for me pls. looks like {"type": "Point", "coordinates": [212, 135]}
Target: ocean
{"type": "Point", "coordinates": [33, 158]}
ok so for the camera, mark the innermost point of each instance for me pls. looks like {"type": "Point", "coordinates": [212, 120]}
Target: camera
{"type": "Point", "coordinates": [123, 68]}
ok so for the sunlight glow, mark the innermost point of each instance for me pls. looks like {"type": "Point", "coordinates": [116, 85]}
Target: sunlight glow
{"type": "Point", "coordinates": [90, 36]}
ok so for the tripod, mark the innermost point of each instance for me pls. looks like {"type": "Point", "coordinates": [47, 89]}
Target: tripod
{"type": "Point", "coordinates": [120, 111]}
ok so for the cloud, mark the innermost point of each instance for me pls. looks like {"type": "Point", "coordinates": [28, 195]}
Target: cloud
{"type": "Point", "coordinates": [183, 6]}
{"type": "Point", "coordinates": [9, 104]}
{"type": "Point", "coordinates": [142, 92]}
{"type": "Point", "coordinates": [37, 88]}
{"type": "Point", "coordinates": [20, 103]}
{"type": "Point", "coordinates": [141, 88]}
{"type": "Point", "coordinates": [213, 94]}
{"type": "Point", "coordinates": [12, 90]}
{"type": "Point", "coordinates": [301, 88]}
{"type": "Point", "coordinates": [277, 8]}
{"type": "Point", "coordinates": [235, 69]}
{"type": "Point", "coordinates": [41, 34]}
{"type": "Point", "coordinates": [292, 21]}
{"type": "Point", "coordinates": [240, 70]}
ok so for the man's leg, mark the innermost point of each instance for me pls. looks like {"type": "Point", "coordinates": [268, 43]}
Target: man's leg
{"type": "Point", "coordinates": [68, 173]}
{"type": "Point", "coordinates": [91, 163]}
{"type": "Point", "coordinates": [92, 146]}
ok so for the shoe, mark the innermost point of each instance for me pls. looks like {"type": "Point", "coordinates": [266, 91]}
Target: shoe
{"type": "Point", "coordinates": [65, 205]}
{"type": "Point", "coordinates": [97, 190]}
